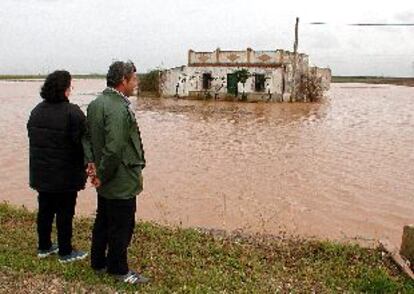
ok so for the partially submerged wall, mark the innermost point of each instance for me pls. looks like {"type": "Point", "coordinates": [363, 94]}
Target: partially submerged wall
{"type": "Point", "coordinates": [326, 76]}
{"type": "Point", "coordinates": [211, 75]}
{"type": "Point", "coordinates": [190, 81]}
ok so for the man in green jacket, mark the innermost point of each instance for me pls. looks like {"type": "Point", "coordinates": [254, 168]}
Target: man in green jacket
{"type": "Point", "coordinates": [117, 151]}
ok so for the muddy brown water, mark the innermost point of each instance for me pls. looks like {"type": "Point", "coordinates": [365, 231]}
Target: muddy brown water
{"type": "Point", "coordinates": [341, 169]}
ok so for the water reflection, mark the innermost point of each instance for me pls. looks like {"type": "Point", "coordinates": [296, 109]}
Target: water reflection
{"type": "Point", "coordinates": [237, 113]}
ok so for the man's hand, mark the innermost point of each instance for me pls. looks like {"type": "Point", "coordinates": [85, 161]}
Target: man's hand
{"type": "Point", "coordinates": [91, 172]}
{"type": "Point", "coordinates": [91, 169]}
{"type": "Point", "coordinates": [95, 181]}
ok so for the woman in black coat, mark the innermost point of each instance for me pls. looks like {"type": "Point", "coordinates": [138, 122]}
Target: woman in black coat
{"type": "Point", "coordinates": [57, 172]}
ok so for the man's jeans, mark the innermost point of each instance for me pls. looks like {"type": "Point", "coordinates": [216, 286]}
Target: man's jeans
{"type": "Point", "coordinates": [112, 233]}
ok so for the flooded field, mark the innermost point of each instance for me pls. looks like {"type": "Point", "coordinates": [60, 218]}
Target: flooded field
{"type": "Point", "coordinates": [341, 169]}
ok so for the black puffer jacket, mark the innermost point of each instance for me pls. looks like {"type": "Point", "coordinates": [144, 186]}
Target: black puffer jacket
{"type": "Point", "coordinates": [56, 155]}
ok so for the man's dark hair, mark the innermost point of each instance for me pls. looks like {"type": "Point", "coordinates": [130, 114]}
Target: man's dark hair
{"type": "Point", "coordinates": [56, 83]}
{"type": "Point", "coordinates": [118, 71]}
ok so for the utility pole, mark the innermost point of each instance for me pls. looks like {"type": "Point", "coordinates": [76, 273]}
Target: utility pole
{"type": "Point", "coordinates": [295, 45]}
{"type": "Point", "coordinates": [295, 60]}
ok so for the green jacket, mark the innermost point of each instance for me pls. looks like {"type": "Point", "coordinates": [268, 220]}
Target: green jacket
{"type": "Point", "coordinates": [113, 143]}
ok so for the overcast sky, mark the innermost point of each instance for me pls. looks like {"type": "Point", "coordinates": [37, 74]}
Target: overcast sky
{"type": "Point", "coordinates": [39, 36]}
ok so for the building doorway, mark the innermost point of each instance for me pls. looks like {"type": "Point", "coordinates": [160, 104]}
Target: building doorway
{"type": "Point", "coordinates": [232, 84]}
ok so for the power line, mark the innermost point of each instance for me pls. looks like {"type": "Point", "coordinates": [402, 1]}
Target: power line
{"type": "Point", "coordinates": [382, 24]}
{"type": "Point", "coordinates": [369, 24]}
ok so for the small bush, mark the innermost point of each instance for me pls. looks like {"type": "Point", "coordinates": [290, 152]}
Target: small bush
{"type": "Point", "coordinates": [149, 82]}
{"type": "Point", "coordinates": [310, 87]}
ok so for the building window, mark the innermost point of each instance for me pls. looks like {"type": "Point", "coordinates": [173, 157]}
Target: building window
{"type": "Point", "coordinates": [259, 82]}
{"type": "Point", "coordinates": [206, 81]}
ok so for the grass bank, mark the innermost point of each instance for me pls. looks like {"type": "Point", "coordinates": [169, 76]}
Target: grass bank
{"type": "Point", "coordinates": [374, 80]}
{"type": "Point", "coordinates": [189, 261]}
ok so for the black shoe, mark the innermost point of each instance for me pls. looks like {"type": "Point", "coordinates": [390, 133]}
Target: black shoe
{"type": "Point", "coordinates": [100, 271]}
{"type": "Point", "coordinates": [73, 256]}
{"type": "Point", "coordinates": [45, 253]}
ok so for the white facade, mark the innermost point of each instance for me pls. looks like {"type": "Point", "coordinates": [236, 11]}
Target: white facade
{"type": "Point", "coordinates": [188, 81]}
{"type": "Point", "coordinates": [208, 74]}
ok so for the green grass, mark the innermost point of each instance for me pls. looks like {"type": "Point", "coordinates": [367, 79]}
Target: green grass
{"type": "Point", "coordinates": [189, 261]}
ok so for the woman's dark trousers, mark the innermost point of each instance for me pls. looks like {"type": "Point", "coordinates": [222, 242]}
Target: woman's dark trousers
{"type": "Point", "coordinates": [63, 206]}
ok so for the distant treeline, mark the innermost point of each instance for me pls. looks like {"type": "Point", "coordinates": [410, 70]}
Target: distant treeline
{"type": "Point", "coordinates": [407, 81]}
{"type": "Point", "coordinates": [148, 81]}
{"type": "Point", "coordinates": [41, 77]}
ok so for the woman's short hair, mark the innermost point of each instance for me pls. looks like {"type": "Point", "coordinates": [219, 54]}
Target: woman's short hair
{"type": "Point", "coordinates": [118, 71]}
{"type": "Point", "coordinates": [55, 86]}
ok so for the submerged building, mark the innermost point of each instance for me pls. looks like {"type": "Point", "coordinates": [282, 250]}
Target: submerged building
{"type": "Point", "coordinates": [272, 75]}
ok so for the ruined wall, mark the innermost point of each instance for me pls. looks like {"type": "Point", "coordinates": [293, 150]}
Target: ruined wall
{"type": "Point", "coordinates": [276, 67]}
{"type": "Point", "coordinates": [246, 58]}
{"type": "Point", "coordinates": [190, 81]}
{"type": "Point", "coordinates": [234, 57]}
{"type": "Point", "coordinates": [325, 74]}
{"type": "Point", "coordinates": [169, 80]}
